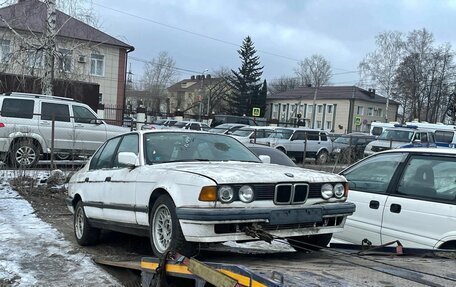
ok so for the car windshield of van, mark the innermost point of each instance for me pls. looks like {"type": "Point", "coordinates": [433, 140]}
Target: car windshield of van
{"type": "Point", "coordinates": [243, 132]}
{"type": "Point", "coordinates": [397, 135]}
{"type": "Point", "coordinates": [281, 134]}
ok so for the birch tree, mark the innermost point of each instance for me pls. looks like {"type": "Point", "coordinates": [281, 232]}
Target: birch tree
{"type": "Point", "coordinates": [314, 71]}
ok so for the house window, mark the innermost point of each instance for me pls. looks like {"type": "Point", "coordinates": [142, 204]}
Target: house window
{"type": "Point", "coordinates": [370, 111]}
{"type": "Point", "coordinates": [97, 65]}
{"type": "Point", "coordinates": [320, 109]}
{"type": "Point", "coordinates": [330, 109]}
{"type": "Point", "coordinates": [284, 108]}
{"type": "Point", "coordinates": [318, 124]}
{"type": "Point", "coordinates": [35, 59]}
{"type": "Point", "coordinates": [328, 125]}
{"type": "Point", "coordinates": [275, 111]}
{"type": "Point", "coordinates": [378, 112]}
{"type": "Point", "coordinates": [360, 110]}
{"type": "Point", "coordinates": [65, 60]}
{"type": "Point", "coordinates": [4, 50]}
{"type": "Point", "coordinates": [309, 109]}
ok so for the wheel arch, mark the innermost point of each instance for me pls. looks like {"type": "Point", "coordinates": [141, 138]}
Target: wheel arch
{"type": "Point", "coordinates": [76, 199]}
{"type": "Point", "coordinates": [154, 196]}
{"type": "Point", "coordinates": [448, 245]}
{"type": "Point", "coordinates": [281, 148]}
{"type": "Point", "coordinates": [39, 143]}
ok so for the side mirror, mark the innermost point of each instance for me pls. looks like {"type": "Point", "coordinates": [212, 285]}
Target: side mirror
{"type": "Point", "coordinates": [96, 121]}
{"type": "Point", "coordinates": [128, 159]}
{"type": "Point", "coordinates": [265, 158]}
{"type": "Point", "coordinates": [416, 141]}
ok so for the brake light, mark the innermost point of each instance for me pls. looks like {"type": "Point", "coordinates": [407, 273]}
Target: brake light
{"type": "Point", "coordinates": [2, 125]}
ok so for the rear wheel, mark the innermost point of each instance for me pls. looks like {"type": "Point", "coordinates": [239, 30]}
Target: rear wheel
{"type": "Point", "coordinates": [84, 233]}
{"type": "Point", "coordinates": [24, 153]}
{"type": "Point", "coordinates": [310, 242]}
{"type": "Point", "coordinates": [165, 231]}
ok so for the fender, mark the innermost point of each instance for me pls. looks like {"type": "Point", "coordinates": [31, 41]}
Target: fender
{"type": "Point", "coordinates": [449, 236]}
{"type": "Point", "coordinates": [38, 137]}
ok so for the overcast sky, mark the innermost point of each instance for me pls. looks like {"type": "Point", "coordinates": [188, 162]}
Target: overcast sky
{"type": "Point", "coordinates": [206, 34]}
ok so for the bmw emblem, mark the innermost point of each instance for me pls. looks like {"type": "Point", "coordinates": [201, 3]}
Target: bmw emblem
{"type": "Point", "coordinates": [289, 174]}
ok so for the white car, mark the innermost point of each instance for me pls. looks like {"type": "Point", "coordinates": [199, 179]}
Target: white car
{"type": "Point", "coordinates": [183, 187]}
{"type": "Point", "coordinates": [252, 133]}
{"type": "Point", "coordinates": [404, 194]}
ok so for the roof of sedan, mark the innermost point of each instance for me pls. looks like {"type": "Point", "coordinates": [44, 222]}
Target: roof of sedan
{"type": "Point", "coordinates": [449, 151]}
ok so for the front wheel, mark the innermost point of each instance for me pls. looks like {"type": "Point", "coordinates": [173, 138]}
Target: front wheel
{"type": "Point", "coordinates": [165, 231]}
{"type": "Point", "coordinates": [25, 153]}
{"type": "Point", "coordinates": [310, 242]}
{"type": "Point", "coordinates": [322, 157]}
{"type": "Point", "coordinates": [84, 233]}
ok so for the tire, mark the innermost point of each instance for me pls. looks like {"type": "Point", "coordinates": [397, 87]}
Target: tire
{"type": "Point", "coordinates": [84, 233]}
{"type": "Point", "coordinates": [282, 150]}
{"type": "Point", "coordinates": [316, 242]}
{"type": "Point", "coordinates": [322, 157]}
{"type": "Point", "coordinates": [24, 153]}
{"type": "Point", "coordinates": [165, 231]}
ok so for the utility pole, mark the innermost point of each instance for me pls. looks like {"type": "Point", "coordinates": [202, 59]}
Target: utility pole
{"type": "Point", "coordinates": [49, 48]}
{"type": "Point", "coordinates": [314, 111]}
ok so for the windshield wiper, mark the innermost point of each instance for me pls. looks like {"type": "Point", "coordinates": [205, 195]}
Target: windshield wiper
{"type": "Point", "coordinates": [187, 160]}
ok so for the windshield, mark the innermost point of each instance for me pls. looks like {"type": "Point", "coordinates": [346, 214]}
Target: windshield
{"type": "Point", "coordinates": [281, 134]}
{"type": "Point", "coordinates": [186, 146]}
{"type": "Point", "coordinates": [221, 128]}
{"type": "Point", "coordinates": [343, 140]}
{"type": "Point", "coordinates": [243, 132]}
{"type": "Point", "coordinates": [397, 135]}
{"type": "Point", "coordinates": [180, 124]}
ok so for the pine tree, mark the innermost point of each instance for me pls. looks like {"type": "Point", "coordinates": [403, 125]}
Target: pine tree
{"type": "Point", "coordinates": [246, 82]}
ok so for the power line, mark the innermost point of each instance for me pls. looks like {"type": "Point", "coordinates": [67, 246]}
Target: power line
{"type": "Point", "coordinates": [197, 34]}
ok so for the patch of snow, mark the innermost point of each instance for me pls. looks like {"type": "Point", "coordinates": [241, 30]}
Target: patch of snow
{"type": "Point", "coordinates": [33, 253]}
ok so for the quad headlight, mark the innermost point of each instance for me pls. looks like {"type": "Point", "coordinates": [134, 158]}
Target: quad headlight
{"type": "Point", "coordinates": [246, 194]}
{"type": "Point", "coordinates": [327, 191]}
{"type": "Point", "coordinates": [226, 194]}
{"type": "Point", "coordinates": [339, 190]}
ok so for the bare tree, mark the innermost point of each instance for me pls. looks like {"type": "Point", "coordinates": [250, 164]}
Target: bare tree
{"type": "Point", "coordinates": [315, 71]}
{"type": "Point", "coordinates": [380, 65]}
{"type": "Point", "coordinates": [283, 84]}
{"type": "Point", "coordinates": [219, 91]}
{"type": "Point", "coordinates": [159, 73]}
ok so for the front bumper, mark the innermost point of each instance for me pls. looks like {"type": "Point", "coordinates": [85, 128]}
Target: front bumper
{"type": "Point", "coordinates": [222, 224]}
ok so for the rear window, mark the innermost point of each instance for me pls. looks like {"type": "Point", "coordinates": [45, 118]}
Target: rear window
{"type": "Point", "coordinates": [376, 131]}
{"type": "Point", "coordinates": [61, 112]}
{"type": "Point", "coordinates": [444, 136]}
{"type": "Point", "coordinates": [17, 108]}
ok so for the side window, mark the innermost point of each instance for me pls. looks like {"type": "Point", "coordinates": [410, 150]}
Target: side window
{"type": "Point", "coordinates": [61, 112]}
{"type": "Point", "coordinates": [94, 160]}
{"type": "Point", "coordinates": [429, 177]}
{"type": "Point", "coordinates": [129, 143]}
{"type": "Point", "coordinates": [195, 126]}
{"type": "Point", "coordinates": [298, 135]}
{"type": "Point", "coordinates": [417, 136]}
{"type": "Point", "coordinates": [424, 138]}
{"type": "Point", "coordinates": [374, 174]}
{"type": "Point", "coordinates": [83, 115]}
{"type": "Point", "coordinates": [312, 136]}
{"type": "Point", "coordinates": [323, 137]}
{"type": "Point", "coordinates": [106, 158]}
{"type": "Point", "coordinates": [17, 108]}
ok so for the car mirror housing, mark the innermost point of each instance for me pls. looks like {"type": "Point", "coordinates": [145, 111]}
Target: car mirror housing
{"type": "Point", "coordinates": [96, 121]}
{"type": "Point", "coordinates": [265, 158]}
{"type": "Point", "coordinates": [128, 159]}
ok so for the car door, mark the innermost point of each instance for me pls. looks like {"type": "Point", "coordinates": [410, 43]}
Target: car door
{"type": "Point", "coordinates": [369, 182]}
{"type": "Point", "coordinates": [120, 181]}
{"type": "Point", "coordinates": [421, 211]}
{"type": "Point", "coordinates": [90, 132]}
{"type": "Point", "coordinates": [64, 139]}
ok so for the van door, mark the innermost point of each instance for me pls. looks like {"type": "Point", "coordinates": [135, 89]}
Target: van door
{"type": "Point", "coordinates": [64, 138]}
{"type": "Point", "coordinates": [90, 132]}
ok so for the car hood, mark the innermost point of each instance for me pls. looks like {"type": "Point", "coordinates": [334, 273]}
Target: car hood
{"type": "Point", "coordinates": [245, 172]}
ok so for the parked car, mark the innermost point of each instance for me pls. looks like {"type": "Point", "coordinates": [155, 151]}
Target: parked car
{"type": "Point", "coordinates": [230, 119]}
{"type": "Point", "coordinates": [252, 133]}
{"type": "Point", "coordinates": [404, 194]}
{"type": "Point", "coordinates": [159, 124]}
{"type": "Point", "coordinates": [191, 125]}
{"type": "Point", "coordinates": [293, 140]}
{"type": "Point", "coordinates": [400, 137]}
{"type": "Point", "coordinates": [226, 128]}
{"type": "Point", "coordinates": [350, 147]}
{"type": "Point", "coordinates": [276, 156]}
{"type": "Point", "coordinates": [181, 188]}
{"type": "Point", "coordinates": [26, 128]}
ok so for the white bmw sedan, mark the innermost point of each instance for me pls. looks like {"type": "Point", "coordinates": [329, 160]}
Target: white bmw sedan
{"type": "Point", "coordinates": [181, 188]}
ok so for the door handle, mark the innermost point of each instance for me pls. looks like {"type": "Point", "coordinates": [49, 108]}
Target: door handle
{"type": "Point", "coordinates": [79, 126]}
{"type": "Point", "coordinates": [86, 179]}
{"type": "Point", "coordinates": [108, 178]}
{"type": "Point", "coordinates": [42, 123]}
{"type": "Point", "coordinates": [395, 208]}
{"type": "Point", "coordinates": [374, 204]}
